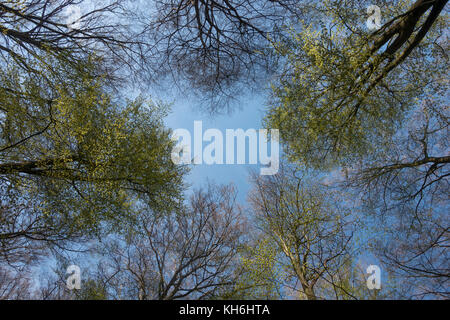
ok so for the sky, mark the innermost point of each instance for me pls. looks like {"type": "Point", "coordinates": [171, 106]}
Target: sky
{"type": "Point", "coordinates": [248, 115]}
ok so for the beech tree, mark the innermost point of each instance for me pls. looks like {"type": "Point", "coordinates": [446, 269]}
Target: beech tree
{"type": "Point", "coordinates": [214, 49]}
{"type": "Point", "coordinates": [373, 104]}
{"type": "Point", "coordinates": [14, 285]}
{"type": "Point", "coordinates": [311, 231]}
{"type": "Point", "coordinates": [191, 253]}
{"type": "Point", "coordinates": [72, 154]}
{"type": "Point", "coordinates": [345, 88]}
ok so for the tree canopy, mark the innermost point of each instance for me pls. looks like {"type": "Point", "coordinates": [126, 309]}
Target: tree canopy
{"type": "Point", "coordinates": [86, 170]}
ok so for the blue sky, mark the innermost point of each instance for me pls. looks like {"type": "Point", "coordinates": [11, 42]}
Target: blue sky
{"type": "Point", "coordinates": [248, 114]}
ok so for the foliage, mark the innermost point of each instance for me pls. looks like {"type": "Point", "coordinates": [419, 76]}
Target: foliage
{"type": "Point", "coordinates": [342, 94]}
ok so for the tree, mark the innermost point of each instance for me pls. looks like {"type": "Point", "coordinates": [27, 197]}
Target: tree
{"type": "Point", "coordinates": [344, 89]}
{"type": "Point", "coordinates": [188, 254]}
{"type": "Point", "coordinates": [415, 251]}
{"type": "Point", "coordinates": [259, 276]}
{"type": "Point", "coordinates": [92, 161]}
{"type": "Point", "coordinates": [14, 284]}
{"type": "Point", "coordinates": [407, 189]}
{"type": "Point", "coordinates": [72, 156]}
{"type": "Point", "coordinates": [72, 30]}
{"type": "Point", "coordinates": [213, 47]}
{"type": "Point", "coordinates": [374, 105]}
{"type": "Point", "coordinates": [305, 224]}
